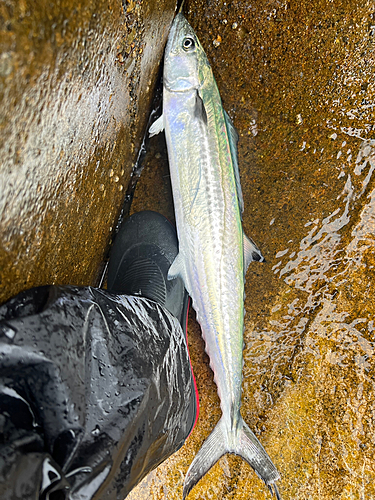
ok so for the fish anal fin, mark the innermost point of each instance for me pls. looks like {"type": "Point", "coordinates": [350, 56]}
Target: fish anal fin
{"type": "Point", "coordinates": [251, 252]}
{"type": "Point", "coordinates": [157, 126]}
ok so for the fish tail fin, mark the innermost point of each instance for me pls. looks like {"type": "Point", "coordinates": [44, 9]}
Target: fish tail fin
{"type": "Point", "coordinates": [250, 449]}
{"type": "Point", "coordinates": [244, 443]}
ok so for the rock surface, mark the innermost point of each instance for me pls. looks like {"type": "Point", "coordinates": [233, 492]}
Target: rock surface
{"type": "Point", "coordinates": [76, 82]}
{"type": "Point", "coordinates": [297, 78]}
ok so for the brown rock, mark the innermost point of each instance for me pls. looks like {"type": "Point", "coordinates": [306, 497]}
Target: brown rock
{"type": "Point", "coordinates": [76, 81]}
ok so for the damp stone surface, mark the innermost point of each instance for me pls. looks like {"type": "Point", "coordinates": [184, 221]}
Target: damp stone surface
{"type": "Point", "coordinates": [76, 84]}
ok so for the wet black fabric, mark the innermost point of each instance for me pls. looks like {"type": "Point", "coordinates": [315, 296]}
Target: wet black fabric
{"type": "Point", "coordinates": [95, 391]}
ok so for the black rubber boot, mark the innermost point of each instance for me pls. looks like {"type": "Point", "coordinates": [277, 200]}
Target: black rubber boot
{"type": "Point", "coordinates": [143, 251]}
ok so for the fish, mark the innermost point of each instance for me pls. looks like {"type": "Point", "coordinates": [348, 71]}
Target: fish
{"type": "Point", "coordinates": [214, 252]}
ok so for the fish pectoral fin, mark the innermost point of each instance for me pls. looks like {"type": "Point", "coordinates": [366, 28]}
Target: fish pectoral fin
{"type": "Point", "coordinates": [157, 126]}
{"type": "Point", "coordinates": [212, 449]}
{"type": "Point", "coordinates": [177, 269]}
{"type": "Point", "coordinates": [200, 110]}
{"type": "Point", "coordinates": [251, 252]}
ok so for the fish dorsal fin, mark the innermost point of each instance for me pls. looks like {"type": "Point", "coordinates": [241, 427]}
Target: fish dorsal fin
{"type": "Point", "coordinates": [157, 126]}
{"type": "Point", "coordinates": [233, 140]}
{"type": "Point", "coordinates": [251, 252]}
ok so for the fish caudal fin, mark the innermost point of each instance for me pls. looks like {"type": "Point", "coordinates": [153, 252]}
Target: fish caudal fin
{"type": "Point", "coordinates": [255, 455]}
{"type": "Point", "coordinates": [212, 449]}
{"type": "Point", "coordinates": [244, 444]}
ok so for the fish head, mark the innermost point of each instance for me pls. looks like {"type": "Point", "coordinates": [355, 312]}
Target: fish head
{"type": "Point", "coordinates": [185, 62]}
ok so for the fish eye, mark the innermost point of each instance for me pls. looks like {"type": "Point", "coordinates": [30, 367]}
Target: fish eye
{"type": "Point", "coordinates": [188, 43]}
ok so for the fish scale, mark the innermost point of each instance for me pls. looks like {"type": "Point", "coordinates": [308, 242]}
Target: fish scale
{"type": "Point", "coordinates": [213, 251]}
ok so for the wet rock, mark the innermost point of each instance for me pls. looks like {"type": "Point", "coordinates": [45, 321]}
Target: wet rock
{"type": "Point", "coordinates": [76, 82]}
{"type": "Point", "coordinates": [297, 80]}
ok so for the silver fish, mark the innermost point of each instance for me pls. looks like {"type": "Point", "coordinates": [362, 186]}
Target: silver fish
{"type": "Point", "coordinates": [213, 251]}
